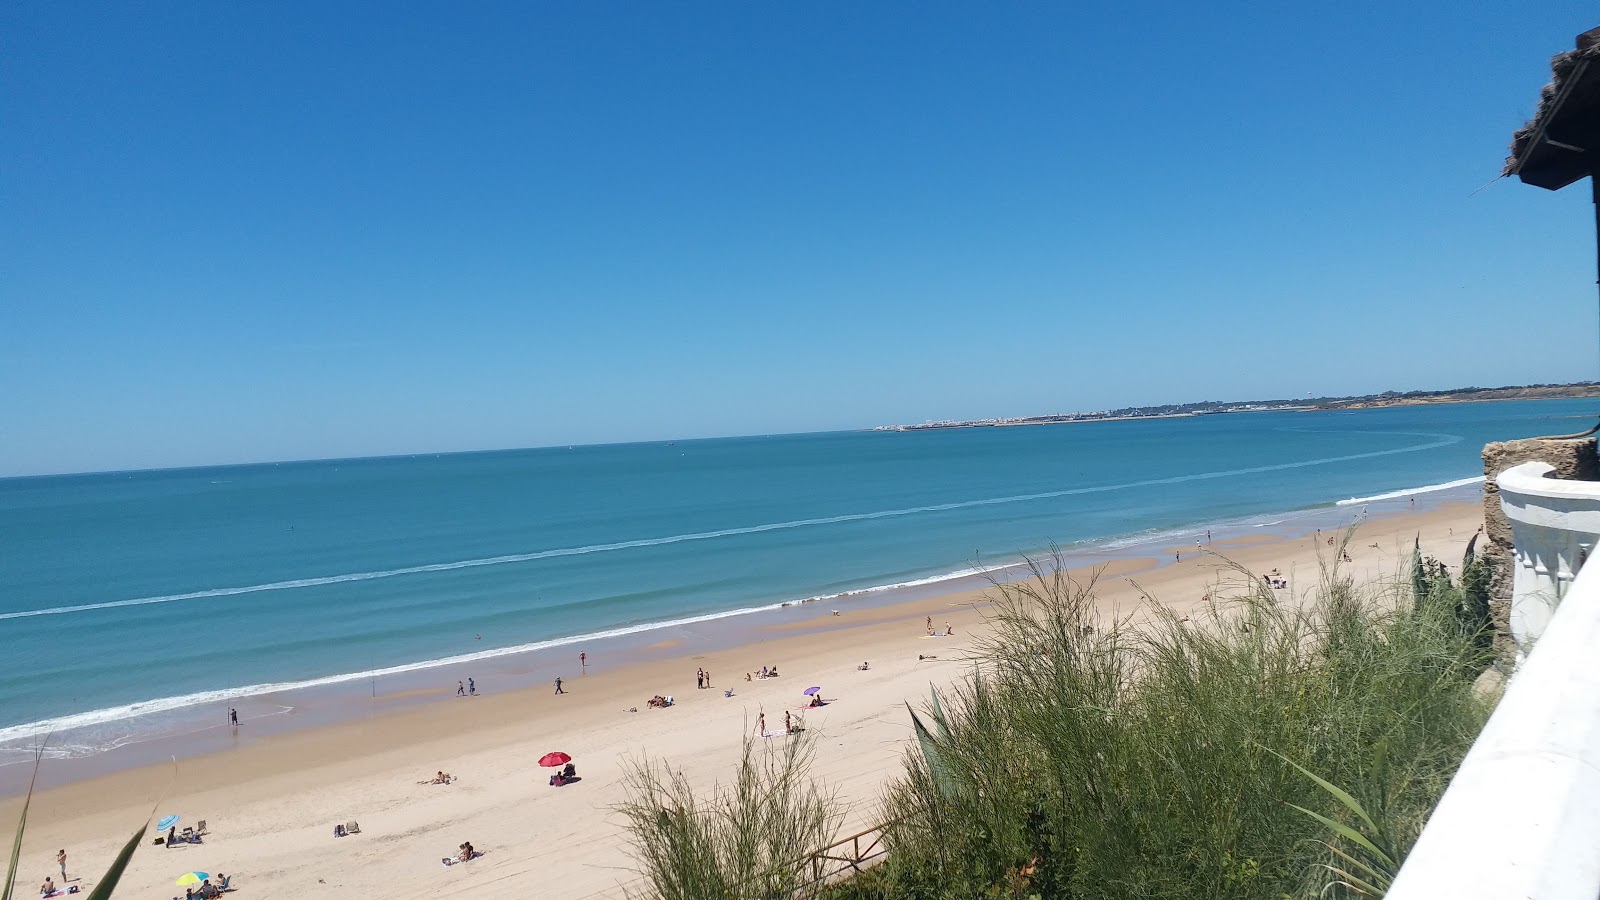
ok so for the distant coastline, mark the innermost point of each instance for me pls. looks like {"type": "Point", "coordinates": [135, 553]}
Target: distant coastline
{"type": "Point", "coordinates": [1576, 390]}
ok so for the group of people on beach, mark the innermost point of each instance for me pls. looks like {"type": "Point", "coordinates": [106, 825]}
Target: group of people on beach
{"type": "Point", "coordinates": [469, 689]}
{"type": "Point", "coordinates": [49, 888]}
{"type": "Point", "coordinates": [792, 724]}
{"type": "Point", "coordinates": [464, 853]}
{"type": "Point", "coordinates": [766, 672]}
{"type": "Point", "coordinates": [702, 679]}
{"type": "Point", "coordinates": [948, 631]}
{"type": "Point", "coordinates": [205, 889]}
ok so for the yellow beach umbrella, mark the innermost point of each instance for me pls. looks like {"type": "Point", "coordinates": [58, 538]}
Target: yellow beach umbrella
{"type": "Point", "coordinates": [189, 878]}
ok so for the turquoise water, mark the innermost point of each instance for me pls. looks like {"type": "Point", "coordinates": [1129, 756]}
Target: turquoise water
{"type": "Point", "coordinates": [129, 587]}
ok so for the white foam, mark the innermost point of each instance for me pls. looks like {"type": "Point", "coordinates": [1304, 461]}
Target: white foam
{"type": "Point", "coordinates": [1438, 440]}
{"type": "Point", "coordinates": [169, 704]}
{"type": "Point", "coordinates": [1460, 482]}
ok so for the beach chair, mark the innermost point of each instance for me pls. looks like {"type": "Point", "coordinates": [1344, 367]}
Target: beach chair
{"type": "Point", "coordinates": [200, 827]}
{"type": "Point", "coordinates": [352, 827]}
{"type": "Point", "coordinates": [224, 886]}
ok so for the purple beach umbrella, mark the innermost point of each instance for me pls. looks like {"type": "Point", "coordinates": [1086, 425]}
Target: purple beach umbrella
{"type": "Point", "coordinates": [811, 690]}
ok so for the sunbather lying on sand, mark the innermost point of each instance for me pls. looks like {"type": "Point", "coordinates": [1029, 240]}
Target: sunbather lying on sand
{"type": "Point", "coordinates": [439, 778]}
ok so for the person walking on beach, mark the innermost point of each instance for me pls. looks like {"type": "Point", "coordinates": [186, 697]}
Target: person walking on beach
{"type": "Point", "coordinates": [61, 860]}
{"type": "Point", "coordinates": [461, 689]}
{"type": "Point", "coordinates": [558, 685]}
{"type": "Point", "coordinates": [700, 679]}
{"type": "Point", "coordinates": [583, 662]}
{"type": "Point", "coordinates": [233, 717]}
{"type": "Point", "coordinates": [472, 687]}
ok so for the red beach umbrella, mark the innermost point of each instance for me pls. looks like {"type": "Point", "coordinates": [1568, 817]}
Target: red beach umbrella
{"type": "Point", "coordinates": [551, 760]}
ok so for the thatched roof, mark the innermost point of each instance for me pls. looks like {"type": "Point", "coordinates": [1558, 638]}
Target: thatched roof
{"type": "Point", "coordinates": [1561, 144]}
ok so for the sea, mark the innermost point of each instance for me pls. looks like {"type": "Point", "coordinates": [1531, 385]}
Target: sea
{"type": "Point", "coordinates": [128, 598]}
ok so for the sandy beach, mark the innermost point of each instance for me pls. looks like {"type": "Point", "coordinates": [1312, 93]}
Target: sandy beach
{"type": "Point", "coordinates": [271, 805]}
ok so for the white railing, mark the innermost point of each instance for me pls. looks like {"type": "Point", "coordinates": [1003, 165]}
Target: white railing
{"type": "Point", "coordinates": [1555, 525]}
{"type": "Point", "coordinates": [1521, 819]}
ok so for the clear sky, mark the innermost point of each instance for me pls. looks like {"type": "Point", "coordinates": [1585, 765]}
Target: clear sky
{"type": "Point", "coordinates": [234, 232]}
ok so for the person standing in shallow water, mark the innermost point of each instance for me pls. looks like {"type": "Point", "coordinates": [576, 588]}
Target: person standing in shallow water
{"type": "Point", "coordinates": [233, 717]}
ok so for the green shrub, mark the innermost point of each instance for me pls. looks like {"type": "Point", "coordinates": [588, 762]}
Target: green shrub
{"type": "Point", "coordinates": [743, 841]}
{"type": "Point", "coordinates": [1098, 757]}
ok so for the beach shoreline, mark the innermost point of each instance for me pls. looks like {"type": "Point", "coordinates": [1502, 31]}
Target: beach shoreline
{"type": "Point", "coordinates": [271, 800]}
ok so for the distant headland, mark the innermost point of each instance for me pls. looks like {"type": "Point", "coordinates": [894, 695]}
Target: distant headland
{"type": "Point", "coordinates": [1215, 407]}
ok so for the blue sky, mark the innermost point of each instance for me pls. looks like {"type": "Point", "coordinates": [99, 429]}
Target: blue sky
{"type": "Point", "coordinates": [238, 232]}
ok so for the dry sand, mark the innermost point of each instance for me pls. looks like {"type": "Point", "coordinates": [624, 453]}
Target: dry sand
{"type": "Point", "coordinates": [271, 805]}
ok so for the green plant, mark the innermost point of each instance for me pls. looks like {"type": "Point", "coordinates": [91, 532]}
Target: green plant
{"type": "Point", "coordinates": [1097, 754]}
{"type": "Point", "coordinates": [742, 841]}
{"type": "Point", "coordinates": [22, 825]}
{"type": "Point", "coordinates": [1376, 855]}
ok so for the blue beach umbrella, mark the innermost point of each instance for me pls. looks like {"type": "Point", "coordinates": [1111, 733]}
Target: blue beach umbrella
{"type": "Point", "coordinates": [810, 690]}
{"type": "Point", "coordinates": [166, 823]}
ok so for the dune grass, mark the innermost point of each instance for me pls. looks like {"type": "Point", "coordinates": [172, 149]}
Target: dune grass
{"type": "Point", "coordinates": [1171, 758]}
{"type": "Point", "coordinates": [744, 840]}
{"type": "Point", "coordinates": [1269, 748]}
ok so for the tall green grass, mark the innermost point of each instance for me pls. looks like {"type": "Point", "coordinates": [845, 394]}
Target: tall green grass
{"type": "Point", "coordinates": [744, 840]}
{"type": "Point", "coordinates": [1089, 756]}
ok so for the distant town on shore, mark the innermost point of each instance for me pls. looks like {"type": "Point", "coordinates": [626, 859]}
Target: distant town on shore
{"type": "Point", "coordinates": [1214, 407]}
